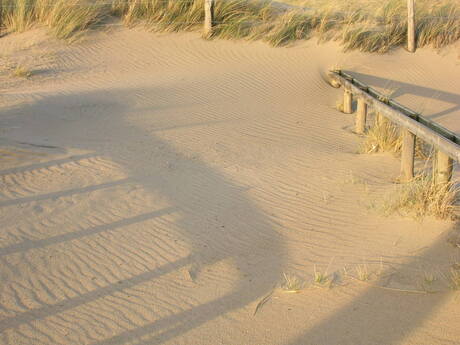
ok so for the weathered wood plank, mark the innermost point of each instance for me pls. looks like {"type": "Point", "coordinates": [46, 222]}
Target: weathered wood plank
{"type": "Point", "coordinates": [430, 136]}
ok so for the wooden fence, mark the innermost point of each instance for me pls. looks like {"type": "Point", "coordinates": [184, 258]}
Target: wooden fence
{"type": "Point", "coordinates": [413, 125]}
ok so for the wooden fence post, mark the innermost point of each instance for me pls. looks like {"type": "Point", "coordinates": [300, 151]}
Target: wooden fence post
{"type": "Point", "coordinates": [1, 15]}
{"type": "Point", "coordinates": [347, 101]}
{"type": "Point", "coordinates": [361, 116]}
{"type": "Point", "coordinates": [208, 18]}
{"type": "Point", "coordinates": [407, 156]}
{"type": "Point", "coordinates": [444, 166]}
{"type": "Point", "coordinates": [391, 112]}
{"type": "Point", "coordinates": [411, 25]}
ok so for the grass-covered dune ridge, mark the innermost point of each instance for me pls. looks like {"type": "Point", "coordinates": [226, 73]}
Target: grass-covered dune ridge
{"type": "Point", "coordinates": [367, 26]}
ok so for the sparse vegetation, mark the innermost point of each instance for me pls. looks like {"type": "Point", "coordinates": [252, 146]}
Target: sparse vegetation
{"type": "Point", "coordinates": [428, 280]}
{"type": "Point", "coordinates": [291, 283]}
{"type": "Point", "coordinates": [454, 279]}
{"type": "Point", "coordinates": [384, 136]}
{"type": "Point", "coordinates": [372, 27]}
{"type": "Point", "coordinates": [321, 278]}
{"type": "Point", "coordinates": [421, 197]}
{"type": "Point", "coordinates": [22, 72]}
{"type": "Point", "coordinates": [362, 272]}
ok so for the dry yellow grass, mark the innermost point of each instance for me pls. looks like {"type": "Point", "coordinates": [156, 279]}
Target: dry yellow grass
{"type": "Point", "coordinates": [65, 18]}
{"type": "Point", "coordinates": [366, 26]}
{"type": "Point", "coordinates": [423, 197]}
{"type": "Point", "coordinates": [454, 279]}
{"type": "Point", "coordinates": [22, 72]}
{"type": "Point", "coordinates": [378, 26]}
{"type": "Point", "coordinates": [291, 283]}
{"type": "Point", "coordinates": [384, 136]}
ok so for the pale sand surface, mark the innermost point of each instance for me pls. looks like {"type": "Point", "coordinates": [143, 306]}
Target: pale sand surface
{"type": "Point", "coordinates": [155, 188]}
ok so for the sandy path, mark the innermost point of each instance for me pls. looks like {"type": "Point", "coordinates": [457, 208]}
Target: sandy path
{"type": "Point", "coordinates": [155, 188]}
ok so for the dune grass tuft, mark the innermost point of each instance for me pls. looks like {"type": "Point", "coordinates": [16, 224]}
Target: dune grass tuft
{"type": "Point", "coordinates": [322, 278]}
{"type": "Point", "coordinates": [362, 272]}
{"type": "Point", "coordinates": [428, 279]}
{"type": "Point", "coordinates": [384, 136]}
{"type": "Point", "coordinates": [422, 197]}
{"type": "Point", "coordinates": [22, 72]}
{"type": "Point", "coordinates": [65, 18]}
{"type": "Point", "coordinates": [292, 283]}
{"type": "Point", "coordinates": [454, 279]}
{"type": "Point", "coordinates": [291, 26]}
{"type": "Point", "coordinates": [439, 25]}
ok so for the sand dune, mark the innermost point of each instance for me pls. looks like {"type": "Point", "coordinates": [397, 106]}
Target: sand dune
{"type": "Point", "coordinates": [155, 188]}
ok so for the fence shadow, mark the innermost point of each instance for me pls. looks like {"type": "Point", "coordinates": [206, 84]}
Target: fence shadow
{"type": "Point", "coordinates": [210, 196]}
{"type": "Point", "coordinates": [403, 88]}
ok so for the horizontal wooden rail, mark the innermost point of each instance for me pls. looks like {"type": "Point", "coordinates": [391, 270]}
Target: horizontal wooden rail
{"type": "Point", "coordinates": [429, 131]}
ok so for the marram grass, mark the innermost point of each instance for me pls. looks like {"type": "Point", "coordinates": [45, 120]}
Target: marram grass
{"type": "Point", "coordinates": [65, 18]}
{"type": "Point", "coordinates": [423, 197]}
{"type": "Point", "coordinates": [367, 26]}
{"type": "Point", "coordinates": [385, 136]}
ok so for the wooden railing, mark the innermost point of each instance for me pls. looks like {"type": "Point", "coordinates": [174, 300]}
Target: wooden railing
{"type": "Point", "coordinates": [444, 141]}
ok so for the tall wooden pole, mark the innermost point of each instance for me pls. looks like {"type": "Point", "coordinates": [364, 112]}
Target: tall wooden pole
{"type": "Point", "coordinates": [208, 18]}
{"type": "Point", "coordinates": [411, 25]}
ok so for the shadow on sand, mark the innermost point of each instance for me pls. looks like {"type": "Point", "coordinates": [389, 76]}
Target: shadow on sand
{"type": "Point", "coordinates": [402, 88]}
{"type": "Point", "coordinates": [210, 196]}
{"type": "Point", "coordinates": [375, 317]}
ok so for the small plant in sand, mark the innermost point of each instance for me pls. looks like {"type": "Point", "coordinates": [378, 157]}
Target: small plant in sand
{"type": "Point", "coordinates": [362, 272]}
{"type": "Point", "coordinates": [291, 283]}
{"type": "Point", "coordinates": [428, 278]}
{"type": "Point", "coordinates": [321, 278]}
{"type": "Point", "coordinates": [21, 71]}
{"type": "Point", "coordinates": [422, 197]}
{"type": "Point", "coordinates": [454, 279]}
{"type": "Point", "coordinates": [384, 136]}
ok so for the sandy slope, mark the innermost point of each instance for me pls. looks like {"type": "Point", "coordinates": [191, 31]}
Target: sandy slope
{"type": "Point", "coordinates": [154, 189]}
